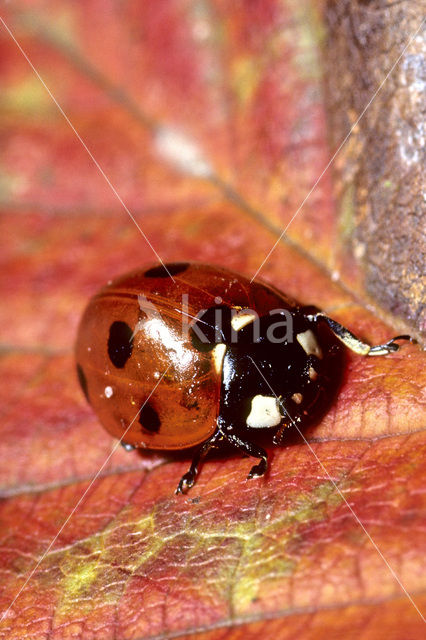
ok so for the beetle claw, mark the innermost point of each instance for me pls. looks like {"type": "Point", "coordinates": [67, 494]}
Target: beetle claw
{"type": "Point", "coordinates": [186, 482]}
{"type": "Point", "coordinates": [258, 470]}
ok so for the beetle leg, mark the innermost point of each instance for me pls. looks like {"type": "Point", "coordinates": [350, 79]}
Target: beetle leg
{"type": "Point", "coordinates": [188, 479]}
{"type": "Point", "coordinates": [287, 420]}
{"type": "Point", "coordinates": [354, 343]}
{"type": "Point", "coordinates": [383, 349]}
{"type": "Point", "coordinates": [290, 421]}
{"type": "Point", "coordinates": [252, 450]}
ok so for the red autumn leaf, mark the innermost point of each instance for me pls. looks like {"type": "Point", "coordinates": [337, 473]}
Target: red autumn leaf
{"type": "Point", "coordinates": [93, 541]}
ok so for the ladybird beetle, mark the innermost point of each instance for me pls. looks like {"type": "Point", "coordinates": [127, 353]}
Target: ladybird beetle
{"type": "Point", "coordinates": [189, 355]}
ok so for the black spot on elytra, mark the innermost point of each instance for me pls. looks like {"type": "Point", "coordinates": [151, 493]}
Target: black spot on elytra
{"type": "Point", "coordinates": [83, 381]}
{"type": "Point", "coordinates": [149, 418]}
{"type": "Point", "coordinates": [212, 327]}
{"type": "Point", "coordinates": [167, 270]}
{"type": "Point", "coordinates": [120, 343]}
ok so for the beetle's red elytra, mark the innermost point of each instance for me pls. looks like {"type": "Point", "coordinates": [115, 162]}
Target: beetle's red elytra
{"type": "Point", "coordinates": [207, 359]}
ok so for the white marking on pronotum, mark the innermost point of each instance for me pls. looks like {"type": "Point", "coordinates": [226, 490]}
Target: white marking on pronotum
{"type": "Point", "coordinates": [218, 355]}
{"type": "Point", "coordinates": [309, 343]}
{"type": "Point", "coordinates": [242, 319]}
{"type": "Point", "coordinates": [265, 412]}
{"type": "Point", "coordinates": [108, 391]}
{"type": "Point", "coordinates": [182, 152]}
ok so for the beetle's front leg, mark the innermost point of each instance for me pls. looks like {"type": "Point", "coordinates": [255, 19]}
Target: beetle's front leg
{"type": "Point", "coordinates": [251, 450]}
{"type": "Point", "coordinates": [188, 479]}
{"type": "Point", "coordinates": [353, 343]}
